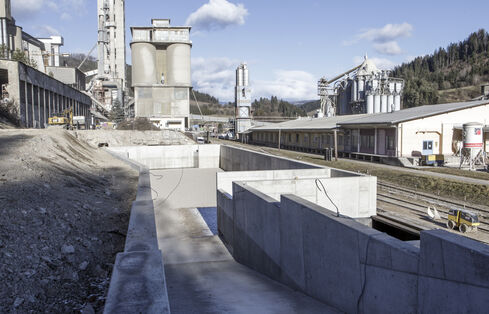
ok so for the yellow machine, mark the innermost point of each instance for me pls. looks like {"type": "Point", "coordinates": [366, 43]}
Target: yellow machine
{"type": "Point", "coordinates": [462, 219]}
{"type": "Point", "coordinates": [62, 119]}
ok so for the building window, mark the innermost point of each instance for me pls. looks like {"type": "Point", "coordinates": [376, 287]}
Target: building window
{"type": "Point", "coordinates": [340, 140]}
{"type": "Point", "coordinates": [290, 137]}
{"type": "Point", "coordinates": [297, 138]}
{"type": "Point", "coordinates": [390, 142]}
{"type": "Point", "coordinates": [355, 141]}
{"type": "Point", "coordinates": [367, 141]}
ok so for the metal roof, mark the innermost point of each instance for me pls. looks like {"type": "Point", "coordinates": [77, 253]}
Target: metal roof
{"type": "Point", "coordinates": [326, 123]}
{"type": "Point", "coordinates": [412, 113]}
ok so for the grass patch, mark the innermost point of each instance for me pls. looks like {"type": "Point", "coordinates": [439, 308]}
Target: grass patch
{"type": "Point", "coordinates": [472, 193]}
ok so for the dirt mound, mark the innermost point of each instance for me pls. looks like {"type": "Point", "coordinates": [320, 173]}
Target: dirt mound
{"type": "Point", "coordinates": [114, 138]}
{"type": "Point", "coordinates": [64, 209]}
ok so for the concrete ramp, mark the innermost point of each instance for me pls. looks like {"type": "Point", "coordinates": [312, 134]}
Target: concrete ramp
{"type": "Point", "coordinates": [201, 275]}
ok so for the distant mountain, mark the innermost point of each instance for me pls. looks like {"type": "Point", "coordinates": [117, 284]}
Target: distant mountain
{"type": "Point", "coordinates": [448, 74]}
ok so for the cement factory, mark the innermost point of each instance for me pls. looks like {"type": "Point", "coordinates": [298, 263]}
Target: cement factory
{"type": "Point", "coordinates": [366, 205]}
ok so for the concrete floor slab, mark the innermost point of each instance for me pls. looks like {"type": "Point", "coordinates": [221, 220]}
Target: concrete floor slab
{"type": "Point", "coordinates": [201, 275]}
{"type": "Point", "coordinates": [229, 287]}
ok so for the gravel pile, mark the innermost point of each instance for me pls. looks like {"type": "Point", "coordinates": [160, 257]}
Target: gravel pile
{"type": "Point", "coordinates": [64, 210]}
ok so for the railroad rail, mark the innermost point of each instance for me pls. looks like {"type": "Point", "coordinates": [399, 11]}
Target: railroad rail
{"type": "Point", "coordinates": [483, 211]}
{"type": "Point", "coordinates": [421, 209]}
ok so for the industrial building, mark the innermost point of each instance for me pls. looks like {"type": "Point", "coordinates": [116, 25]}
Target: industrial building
{"type": "Point", "coordinates": [33, 93]}
{"type": "Point", "coordinates": [110, 83]}
{"type": "Point", "coordinates": [242, 98]}
{"type": "Point", "coordinates": [161, 73]}
{"type": "Point", "coordinates": [412, 132]}
{"type": "Point", "coordinates": [363, 89]}
{"type": "Point", "coordinates": [35, 96]}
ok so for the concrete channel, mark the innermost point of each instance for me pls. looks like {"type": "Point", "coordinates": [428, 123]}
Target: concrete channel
{"type": "Point", "coordinates": [278, 246]}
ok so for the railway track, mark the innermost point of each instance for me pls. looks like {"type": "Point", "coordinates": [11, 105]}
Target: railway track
{"type": "Point", "coordinates": [420, 205]}
{"type": "Point", "coordinates": [431, 199]}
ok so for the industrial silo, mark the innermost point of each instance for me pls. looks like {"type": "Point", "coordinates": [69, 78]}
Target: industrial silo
{"type": "Point", "coordinates": [143, 63]}
{"type": "Point", "coordinates": [178, 64]}
{"type": "Point", "coordinates": [377, 103]}
{"type": "Point", "coordinates": [370, 103]}
{"type": "Point", "coordinates": [383, 103]}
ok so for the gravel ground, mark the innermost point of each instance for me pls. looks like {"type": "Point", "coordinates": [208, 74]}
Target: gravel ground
{"type": "Point", "coordinates": [64, 210]}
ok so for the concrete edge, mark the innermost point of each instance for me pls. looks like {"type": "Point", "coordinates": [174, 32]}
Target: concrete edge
{"type": "Point", "coordinates": [138, 281]}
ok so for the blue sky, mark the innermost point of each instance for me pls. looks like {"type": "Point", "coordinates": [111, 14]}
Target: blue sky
{"type": "Point", "coordinates": [288, 45]}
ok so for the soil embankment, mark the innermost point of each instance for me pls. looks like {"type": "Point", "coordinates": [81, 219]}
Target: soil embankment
{"type": "Point", "coordinates": [64, 211]}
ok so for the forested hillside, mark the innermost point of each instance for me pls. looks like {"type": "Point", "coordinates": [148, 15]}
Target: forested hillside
{"type": "Point", "coordinates": [449, 74]}
{"type": "Point", "coordinates": [276, 107]}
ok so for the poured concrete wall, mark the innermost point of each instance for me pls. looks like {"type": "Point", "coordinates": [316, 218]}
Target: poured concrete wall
{"type": "Point", "coordinates": [225, 179]}
{"type": "Point", "coordinates": [350, 266]}
{"type": "Point", "coordinates": [167, 157]}
{"type": "Point", "coordinates": [355, 197]}
{"type": "Point", "coordinates": [238, 159]}
{"type": "Point", "coordinates": [138, 283]}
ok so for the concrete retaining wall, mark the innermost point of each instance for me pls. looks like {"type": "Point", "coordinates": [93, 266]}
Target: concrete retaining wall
{"type": "Point", "coordinates": [225, 179]}
{"type": "Point", "coordinates": [356, 197]}
{"type": "Point", "coordinates": [351, 266]}
{"type": "Point", "coordinates": [239, 159]}
{"type": "Point", "coordinates": [138, 283]}
{"type": "Point", "coordinates": [167, 157]}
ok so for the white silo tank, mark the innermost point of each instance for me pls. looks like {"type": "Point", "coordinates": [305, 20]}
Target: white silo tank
{"type": "Point", "coordinates": [370, 103]}
{"type": "Point", "coordinates": [392, 87]}
{"type": "Point", "coordinates": [473, 137]}
{"type": "Point", "coordinates": [239, 76]}
{"type": "Point", "coordinates": [375, 84]}
{"type": "Point", "coordinates": [377, 103]}
{"type": "Point", "coordinates": [354, 90]}
{"type": "Point", "coordinates": [397, 102]}
{"type": "Point", "coordinates": [398, 87]}
{"type": "Point", "coordinates": [246, 79]}
{"type": "Point", "coordinates": [143, 63]}
{"type": "Point", "coordinates": [361, 89]}
{"type": "Point", "coordinates": [383, 103]}
{"type": "Point", "coordinates": [390, 103]}
{"type": "Point", "coordinates": [178, 64]}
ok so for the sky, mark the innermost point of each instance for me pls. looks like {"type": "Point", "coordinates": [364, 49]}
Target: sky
{"type": "Point", "coordinates": [287, 44]}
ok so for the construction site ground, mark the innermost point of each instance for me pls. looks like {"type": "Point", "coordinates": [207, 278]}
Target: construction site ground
{"type": "Point", "coordinates": [64, 209]}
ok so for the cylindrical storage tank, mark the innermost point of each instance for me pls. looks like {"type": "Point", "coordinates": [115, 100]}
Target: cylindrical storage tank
{"type": "Point", "coordinates": [354, 90]}
{"type": "Point", "coordinates": [375, 84]}
{"type": "Point", "coordinates": [246, 78]}
{"type": "Point", "coordinates": [398, 87]}
{"type": "Point", "coordinates": [392, 88]}
{"type": "Point", "coordinates": [377, 103]}
{"type": "Point", "coordinates": [390, 103]}
{"type": "Point", "coordinates": [473, 137]}
{"type": "Point", "coordinates": [383, 103]}
{"type": "Point", "coordinates": [178, 64]}
{"type": "Point", "coordinates": [370, 103]}
{"type": "Point", "coordinates": [361, 89]}
{"type": "Point", "coordinates": [397, 102]}
{"type": "Point", "coordinates": [143, 64]}
{"type": "Point", "coordinates": [239, 76]}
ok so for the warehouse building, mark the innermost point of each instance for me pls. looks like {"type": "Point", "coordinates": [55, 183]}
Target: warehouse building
{"type": "Point", "coordinates": [412, 132]}
{"type": "Point", "coordinates": [32, 96]}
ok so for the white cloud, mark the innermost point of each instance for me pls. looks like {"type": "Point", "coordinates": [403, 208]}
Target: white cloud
{"type": "Point", "coordinates": [46, 31]}
{"type": "Point", "coordinates": [65, 16]}
{"type": "Point", "coordinates": [290, 85]}
{"type": "Point", "coordinates": [388, 48]}
{"type": "Point", "coordinates": [28, 8]}
{"type": "Point", "coordinates": [24, 8]}
{"type": "Point", "coordinates": [387, 33]}
{"type": "Point", "coordinates": [215, 77]}
{"type": "Point", "coordinates": [381, 63]}
{"type": "Point", "coordinates": [217, 14]}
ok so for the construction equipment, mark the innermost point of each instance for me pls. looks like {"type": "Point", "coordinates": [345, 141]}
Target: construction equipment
{"type": "Point", "coordinates": [462, 219]}
{"type": "Point", "coordinates": [64, 118]}
{"type": "Point", "coordinates": [432, 160]}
